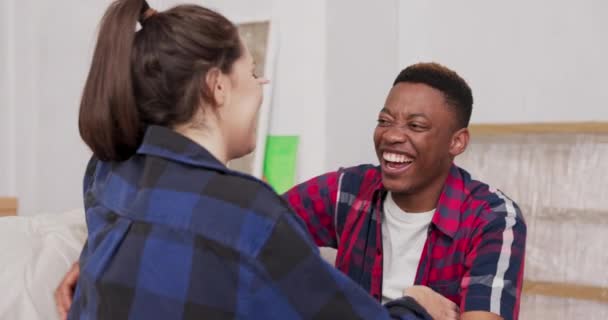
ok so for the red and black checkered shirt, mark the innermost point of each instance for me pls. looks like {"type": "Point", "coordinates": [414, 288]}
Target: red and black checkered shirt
{"type": "Point", "coordinates": [474, 252]}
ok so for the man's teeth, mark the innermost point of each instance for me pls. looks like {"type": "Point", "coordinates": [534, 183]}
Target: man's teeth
{"type": "Point", "coordinates": [395, 157]}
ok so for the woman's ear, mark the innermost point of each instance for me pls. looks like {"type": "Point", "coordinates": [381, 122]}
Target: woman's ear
{"type": "Point", "coordinates": [218, 84]}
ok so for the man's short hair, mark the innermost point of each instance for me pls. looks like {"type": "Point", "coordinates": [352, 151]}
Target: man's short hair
{"type": "Point", "coordinates": [456, 91]}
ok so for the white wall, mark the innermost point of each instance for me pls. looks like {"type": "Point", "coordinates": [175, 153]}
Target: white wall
{"type": "Point", "coordinates": [236, 10]}
{"type": "Point", "coordinates": [18, 116]}
{"type": "Point", "coordinates": [6, 110]}
{"type": "Point", "coordinates": [49, 52]}
{"type": "Point", "coordinates": [361, 66]}
{"type": "Point", "coordinates": [23, 117]}
{"type": "Point", "coordinates": [300, 83]}
{"type": "Point", "coordinates": [526, 61]}
{"type": "Point", "coordinates": [65, 49]}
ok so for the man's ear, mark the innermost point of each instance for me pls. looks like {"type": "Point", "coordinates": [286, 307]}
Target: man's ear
{"type": "Point", "coordinates": [460, 141]}
{"type": "Point", "coordinates": [218, 84]}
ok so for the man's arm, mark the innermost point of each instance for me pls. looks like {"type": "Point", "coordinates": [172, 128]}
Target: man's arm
{"type": "Point", "coordinates": [295, 282]}
{"type": "Point", "coordinates": [65, 291]}
{"type": "Point", "coordinates": [495, 264]}
{"type": "Point", "coordinates": [314, 201]}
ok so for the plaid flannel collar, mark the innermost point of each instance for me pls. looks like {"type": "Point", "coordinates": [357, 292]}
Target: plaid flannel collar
{"type": "Point", "coordinates": [166, 143]}
{"type": "Point", "coordinates": [448, 213]}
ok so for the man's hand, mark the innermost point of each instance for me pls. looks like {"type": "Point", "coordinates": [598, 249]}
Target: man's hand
{"type": "Point", "coordinates": [65, 291]}
{"type": "Point", "coordinates": [439, 307]}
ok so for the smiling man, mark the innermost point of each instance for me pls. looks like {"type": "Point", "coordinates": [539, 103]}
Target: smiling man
{"type": "Point", "coordinates": [418, 224]}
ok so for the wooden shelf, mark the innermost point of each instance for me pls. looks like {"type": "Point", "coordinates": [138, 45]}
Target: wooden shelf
{"type": "Point", "coordinates": [8, 206]}
{"type": "Point", "coordinates": [566, 290]}
{"type": "Point", "coordinates": [539, 128]}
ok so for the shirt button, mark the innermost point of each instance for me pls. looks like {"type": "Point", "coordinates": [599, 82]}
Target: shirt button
{"type": "Point", "coordinates": [378, 251]}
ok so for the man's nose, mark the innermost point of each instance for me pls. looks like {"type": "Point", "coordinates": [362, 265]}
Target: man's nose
{"type": "Point", "coordinates": [395, 135]}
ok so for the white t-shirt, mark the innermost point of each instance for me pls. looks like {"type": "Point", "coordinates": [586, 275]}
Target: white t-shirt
{"type": "Point", "coordinates": [403, 238]}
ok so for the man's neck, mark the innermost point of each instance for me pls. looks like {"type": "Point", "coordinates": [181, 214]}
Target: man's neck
{"type": "Point", "coordinates": [422, 200]}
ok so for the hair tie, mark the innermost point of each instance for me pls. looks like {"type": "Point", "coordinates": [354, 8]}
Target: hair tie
{"type": "Point", "coordinates": [146, 12]}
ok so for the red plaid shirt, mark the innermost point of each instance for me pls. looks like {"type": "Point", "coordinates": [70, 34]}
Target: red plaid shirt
{"type": "Point", "coordinates": [474, 252]}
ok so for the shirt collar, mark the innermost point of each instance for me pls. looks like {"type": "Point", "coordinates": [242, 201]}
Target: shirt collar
{"type": "Point", "coordinates": [165, 143]}
{"type": "Point", "coordinates": [447, 215]}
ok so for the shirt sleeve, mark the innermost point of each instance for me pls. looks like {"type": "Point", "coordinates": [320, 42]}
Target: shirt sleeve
{"type": "Point", "coordinates": [314, 201]}
{"type": "Point", "coordinates": [297, 284]}
{"type": "Point", "coordinates": [494, 278]}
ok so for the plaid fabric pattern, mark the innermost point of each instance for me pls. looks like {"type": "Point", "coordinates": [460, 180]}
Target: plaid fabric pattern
{"type": "Point", "coordinates": [174, 234]}
{"type": "Point", "coordinates": [474, 253]}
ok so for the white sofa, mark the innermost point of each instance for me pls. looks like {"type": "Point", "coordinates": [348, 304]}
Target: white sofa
{"type": "Point", "coordinates": [35, 253]}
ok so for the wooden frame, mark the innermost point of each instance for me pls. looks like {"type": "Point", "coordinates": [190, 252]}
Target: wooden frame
{"type": "Point", "coordinates": [524, 128]}
{"type": "Point", "coordinates": [546, 288]}
{"type": "Point", "coordinates": [254, 163]}
{"type": "Point", "coordinates": [8, 207]}
{"type": "Point", "coordinates": [566, 290]}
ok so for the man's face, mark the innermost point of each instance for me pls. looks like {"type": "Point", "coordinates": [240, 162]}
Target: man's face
{"type": "Point", "coordinates": [414, 138]}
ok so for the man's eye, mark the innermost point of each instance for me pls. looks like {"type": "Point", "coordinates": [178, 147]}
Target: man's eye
{"type": "Point", "coordinates": [417, 126]}
{"type": "Point", "coordinates": [383, 122]}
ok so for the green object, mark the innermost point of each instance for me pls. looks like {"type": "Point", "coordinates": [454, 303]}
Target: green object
{"type": "Point", "coordinates": [280, 162]}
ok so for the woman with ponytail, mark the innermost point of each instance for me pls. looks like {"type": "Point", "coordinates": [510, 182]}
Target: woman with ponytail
{"type": "Point", "coordinates": [174, 233]}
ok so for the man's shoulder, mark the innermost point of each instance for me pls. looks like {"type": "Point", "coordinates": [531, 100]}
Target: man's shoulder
{"type": "Point", "coordinates": [359, 178]}
{"type": "Point", "coordinates": [350, 180]}
{"type": "Point", "coordinates": [361, 170]}
{"type": "Point", "coordinates": [486, 201]}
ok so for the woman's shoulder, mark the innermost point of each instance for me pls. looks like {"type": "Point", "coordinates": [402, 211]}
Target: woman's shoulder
{"type": "Point", "coordinates": [247, 192]}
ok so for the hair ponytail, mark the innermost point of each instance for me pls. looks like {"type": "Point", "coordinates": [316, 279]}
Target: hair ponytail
{"type": "Point", "coordinates": [152, 77]}
{"type": "Point", "coordinates": [109, 122]}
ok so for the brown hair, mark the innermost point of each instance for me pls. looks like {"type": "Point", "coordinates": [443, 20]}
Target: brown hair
{"type": "Point", "coordinates": [153, 76]}
{"type": "Point", "coordinates": [456, 91]}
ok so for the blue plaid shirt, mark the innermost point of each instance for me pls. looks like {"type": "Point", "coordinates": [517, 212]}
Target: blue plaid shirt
{"type": "Point", "coordinates": [174, 234]}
